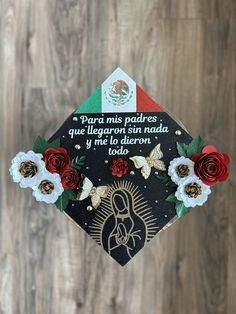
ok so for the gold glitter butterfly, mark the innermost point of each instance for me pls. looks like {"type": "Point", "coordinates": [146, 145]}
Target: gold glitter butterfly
{"type": "Point", "coordinates": [96, 193]}
{"type": "Point", "coordinates": [146, 163]}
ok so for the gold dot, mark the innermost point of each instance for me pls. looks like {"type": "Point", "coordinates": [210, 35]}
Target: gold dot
{"type": "Point", "coordinates": [75, 119]}
{"type": "Point", "coordinates": [89, 208]}
{"type": "Point", "coordinates": [178, 132]}
{"type": "Point", "coordinates": [77, 146]}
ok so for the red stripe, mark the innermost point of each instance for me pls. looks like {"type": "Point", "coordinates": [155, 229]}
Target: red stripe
{"type": "Point", "coordinates": [146, 103]}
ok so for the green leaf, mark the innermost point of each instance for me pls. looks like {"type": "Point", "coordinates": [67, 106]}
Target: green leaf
{"type": "Point", "coordinates": [171, 198]}
{"type": "Point", "coordinates": [78, 162]}
{"type": "Point", "coordinates": [195, 146]}
{"type": "Point", "coordinates": [181, 210]}
{"type": "Point", "coordinates": [165, 179]}
{"type": "Point", "coordinates": [170, 183]}
{"type": "Point", "coordinates": [62, 201]}
{"type": "Point", "coordinates": [82, 158]}
{"type": "Point", "coordinates": [70, 194]}
{"type": "Point", "coordinates": [40, 145]}
{"type": "Point", "coordinates": [182, 149]}
{"type": "Point", "coordinates": [55, 144]}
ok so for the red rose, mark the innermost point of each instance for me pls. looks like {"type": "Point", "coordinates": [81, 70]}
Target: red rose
{"type": "Point", "coordinates": [56, 159]}
{"type": "Point", "coordinates": [69, 178]}
{"type": "Point", "coordinates": [211, 166]}
{"type": "Point", "coordinates": [119, 167]}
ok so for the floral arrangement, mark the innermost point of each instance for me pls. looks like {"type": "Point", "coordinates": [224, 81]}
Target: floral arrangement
{"type": "Point", "coordinates": [193, 173]}
{"type": "Point", "coordinates": [198, 168]}
{"type": "Point", "coordinates": [54, 178]}
{"type": "Point", "coordinates": [49, 171]}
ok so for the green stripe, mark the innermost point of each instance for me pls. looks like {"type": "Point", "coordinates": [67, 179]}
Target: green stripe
{"type": "Point", "coordinates": [93, 104]}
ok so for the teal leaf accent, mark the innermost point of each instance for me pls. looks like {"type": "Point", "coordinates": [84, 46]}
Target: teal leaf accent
{"type": "Point", "coordinates": [195, 147]}
{"type": "Point", "coordinates": [165, 179]}
{"type": "Point", "coordinates": [171, 198]}
{"type": "Point", "coordinates": [182, 149]}
{"type": "Point", "coordinates": [70, 194]}
{"type": "Point", "coordinates": [55, 144]}
{"type": "Point", "coordinates": [78, 162]}
{"type": "Point", "coordinates": [40, 144]}
{"type": "Point", "coordinates": [64, 199]}
{"type": "Point", "coordinates": [181, 210]}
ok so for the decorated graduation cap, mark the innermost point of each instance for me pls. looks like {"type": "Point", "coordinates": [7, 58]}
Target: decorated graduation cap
{"type": "Point", "coordinates": [121, 168]}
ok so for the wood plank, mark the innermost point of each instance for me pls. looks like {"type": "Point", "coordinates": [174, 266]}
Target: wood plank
{"type": "Point", "coordinates": [53, 54]}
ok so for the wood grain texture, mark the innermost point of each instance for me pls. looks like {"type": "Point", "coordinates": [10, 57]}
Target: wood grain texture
{"type": "Point", "coordinates": [53, 54]}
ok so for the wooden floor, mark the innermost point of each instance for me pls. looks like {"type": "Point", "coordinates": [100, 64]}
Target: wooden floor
{"type": "Point", "coordinates": [53, 54]}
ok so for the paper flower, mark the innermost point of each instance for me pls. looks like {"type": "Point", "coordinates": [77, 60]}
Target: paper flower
{"type": "Point", "coordinates": [192, 191]}
{"type": "Point", "coordinates": [180, 168]}
{"type": "Point", "coordinates": [49, 188]}
{"type": "Point", "coordinates": [27, 169]}
{"type": "Point", "coordinates": [56, 159]}
{"type": "Point", "coordinates": [69, 178]}
{"type": "Point", "coordinates": [211, 166]}
{"type": "Point", "coordinates": [119, 167]}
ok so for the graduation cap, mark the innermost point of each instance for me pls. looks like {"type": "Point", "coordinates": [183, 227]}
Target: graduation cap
{"type": "Point", "coordinates": [121, 168]}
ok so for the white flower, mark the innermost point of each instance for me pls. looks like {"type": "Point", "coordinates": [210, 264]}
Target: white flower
{"type": "Point", "coordinates": [49, 188]}
{"type": "Point", "coordinates": [180, 168]}
{"type": "Point", "coordinates": [192, 191]}
{"type": "Point", "coordinates": [27, 168]}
